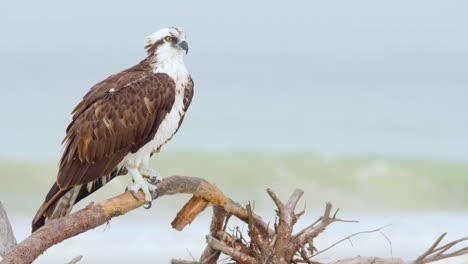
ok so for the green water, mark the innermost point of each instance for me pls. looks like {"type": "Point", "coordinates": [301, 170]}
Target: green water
{"type": "Point", "coordinates": [367, 183]}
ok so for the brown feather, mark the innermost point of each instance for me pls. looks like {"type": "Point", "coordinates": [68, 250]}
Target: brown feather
{"type": "Point", "coordinates": [102, 134]}
{"type": "Point", "coordinates": [83, 146]}
{"type": "Point", "coordinates": [106, 126]}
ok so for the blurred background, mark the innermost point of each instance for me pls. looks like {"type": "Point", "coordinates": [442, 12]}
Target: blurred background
{"type": "Point", "coordinates": [360, 103]}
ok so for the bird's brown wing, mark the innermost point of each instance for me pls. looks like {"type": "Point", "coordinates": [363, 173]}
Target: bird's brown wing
{"type": "Point", "coordinates": [103, 130]}
{"type": "Point", "coordinates": [116, 81]}
{"type": "Point", "coordinates": [119, 122]}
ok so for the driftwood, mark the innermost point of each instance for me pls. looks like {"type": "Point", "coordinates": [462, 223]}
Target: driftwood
{"type": "Point", "coordinates": [265, 244]}
{"type": "Point", "coordinates": [7, 238]}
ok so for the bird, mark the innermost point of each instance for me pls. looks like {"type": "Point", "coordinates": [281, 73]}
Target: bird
{"type": "Point", "coordinates": [120, 123]}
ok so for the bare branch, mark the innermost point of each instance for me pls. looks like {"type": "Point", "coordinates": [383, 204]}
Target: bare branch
{"type": "Point", "coordinates": [431, 249]}
{"type": "Point", "coordinates": [287, 220]}
{"type": "Point", "coordinates": [306, 235]}
{"type": "Point", "coordinates": [179, 261]}
{"type": "Point", "coordinates": [7, 238]}
{"type": "Point", "coordinates": [346, 238]}
{"type": "Point", "coordinates": [189, 212]}
{"type": "Point", "coordinates": [313, 230]}
{"type": "Point", "coordinates": [99, 213]}
{"type": "Point", "coordinates": [370, 260]}
{"type": "Point", "coordinates": [75, 260]}
{"type": "Point", "coordinates": [294, 199]}
{"type": "Point", "coordinates": [276, 200]}
{"type": "Point", "coordinates": [435, 253]}
{"type": "Point", "coordinates": [218, 223]}
{"type": "Point", "coordinates": [234, 243]}
{"type": "Point", "coordinates": [234, 253]}
{"type": "Point", "coordinates": [259, 240]}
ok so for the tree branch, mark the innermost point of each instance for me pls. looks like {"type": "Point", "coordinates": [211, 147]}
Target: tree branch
{"type": "Point", "coordinates": [303, 237]}
{"type": "Point", "coordinates": [435, 253]}
{"type": "Point", "coordinates": [218, 223]}
{"type": "Point", "coordinates": [347, 238]}
{"type": "Point", "coordinates": [75, 260]}
{"type": "Point", "coordinates": [7, 238]}
{"type": "Point", "coordinates": [237, 255]}
{"type": "Point", "coordinates": [190, 211]}
{"type": "Point", "coordinates": [287, 220]}
{"type": "Point", "coordinates": [99, 213]}
{"type": "Point", "coordinates": [370, 260]}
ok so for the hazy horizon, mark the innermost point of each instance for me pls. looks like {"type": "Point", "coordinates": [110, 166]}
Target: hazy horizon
{"type": "Point", "coordinates": [360, 78]}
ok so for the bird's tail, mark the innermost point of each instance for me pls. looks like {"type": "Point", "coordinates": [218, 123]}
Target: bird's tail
{"type": "Point", "coordinates": [58, 203]}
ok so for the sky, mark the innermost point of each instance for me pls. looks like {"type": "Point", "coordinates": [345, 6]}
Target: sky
{"type": "Point", "coordinates": [333, 77]}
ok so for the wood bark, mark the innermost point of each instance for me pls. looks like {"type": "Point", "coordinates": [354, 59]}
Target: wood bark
{"type": "Point", "coordinates": [7, 238]}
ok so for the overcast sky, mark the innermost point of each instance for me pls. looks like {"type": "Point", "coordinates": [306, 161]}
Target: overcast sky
{"type": "Point", "coordinates": [334, 77]}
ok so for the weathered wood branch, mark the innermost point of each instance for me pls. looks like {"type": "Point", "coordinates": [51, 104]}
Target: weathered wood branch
{"type": "Point", "coordinates": [234, 253]}
{"type": "Point", "coordinates": [60, 229]}
{"type": "Point", "coordinates": [284, 228]}
{"type": "Point", "coordinates": [75, 260]}
{"type": "Point", "coordinates": [283, 247]}
{"type": "Point", "coordinates": [371, 260]}
{"type": "Point", "coordinates": [191, 209]}
{"type": "Point", "coordinates": [7, 238]}
{"type": "Point", "coordinates": [266, 245]}
{"type": "Point", "coordinates": [99, 213]}
{"type": "Point", "coordinates": [435, 253]}
{"type": "Point", "coordinates": [218, 224]}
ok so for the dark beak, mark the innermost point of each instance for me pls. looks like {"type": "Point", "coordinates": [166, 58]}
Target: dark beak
{"type": "Point", "coordinates": [183, 45]}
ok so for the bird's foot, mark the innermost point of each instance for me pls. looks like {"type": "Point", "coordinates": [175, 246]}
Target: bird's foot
{"type": "Point", "coordinates": [146, 184]}
{"type": "Point", "coordinates": [152, 177]}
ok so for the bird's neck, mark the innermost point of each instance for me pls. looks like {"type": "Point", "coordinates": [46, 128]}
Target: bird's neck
{"type": "Point", "coordinates": [175, 68]}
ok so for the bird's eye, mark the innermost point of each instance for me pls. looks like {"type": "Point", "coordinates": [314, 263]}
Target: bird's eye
{"type": "Point", "coordinates": [170, 39]}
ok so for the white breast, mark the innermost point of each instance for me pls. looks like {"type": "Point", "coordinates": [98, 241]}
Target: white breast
{"type": "Point", "coordinates": [175, 68]}
{"type": "Point", "coordinates": [177, 71]}
{"type": "Point", "coordinates": [169, 125]}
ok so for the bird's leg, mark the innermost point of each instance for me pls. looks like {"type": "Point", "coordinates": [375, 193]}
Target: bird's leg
{"type": "Point", "coordinates": [140, 184]}
{"type": "Point", "coordinates": [150, 175]}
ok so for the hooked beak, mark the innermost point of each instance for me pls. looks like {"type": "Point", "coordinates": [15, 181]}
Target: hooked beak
{"type": "Point", "coordinates": [183, 45]}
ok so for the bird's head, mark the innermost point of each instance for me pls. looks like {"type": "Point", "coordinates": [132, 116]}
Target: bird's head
{"type": "Point", "coordinates": [165, 44]}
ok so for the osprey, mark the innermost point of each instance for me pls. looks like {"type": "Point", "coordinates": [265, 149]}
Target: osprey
{"type": "Point", "coordinates": [120, 123]}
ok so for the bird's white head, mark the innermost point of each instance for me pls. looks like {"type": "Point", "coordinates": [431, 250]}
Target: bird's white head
{"type": "Point", "coordinates": [166, 44]}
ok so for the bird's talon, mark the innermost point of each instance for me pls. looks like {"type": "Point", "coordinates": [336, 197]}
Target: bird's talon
{"type": "Point", "coordinates": [148, 205]}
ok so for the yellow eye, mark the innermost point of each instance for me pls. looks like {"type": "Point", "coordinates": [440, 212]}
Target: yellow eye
{"type": "Point", "coordinates": [170, 39]}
